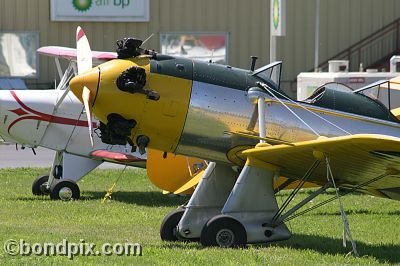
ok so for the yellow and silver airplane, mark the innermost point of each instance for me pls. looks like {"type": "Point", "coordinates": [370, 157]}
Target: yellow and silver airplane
{"type": "Point", "coordinates": [251, 132]}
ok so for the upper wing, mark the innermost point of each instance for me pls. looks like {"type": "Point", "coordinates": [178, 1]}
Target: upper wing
{"type": "Point", "coordinates": [355, 160]}
{"type": "Point", "coordinates": [70, 53]}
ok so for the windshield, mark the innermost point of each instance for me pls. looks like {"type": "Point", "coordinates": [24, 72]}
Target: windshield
{"type": "Point", "coordinates": [386, 92]}
{"type": "Point", "coordinates": [271, 72]}
{"type": "Point", "coordinates": [336, 86]}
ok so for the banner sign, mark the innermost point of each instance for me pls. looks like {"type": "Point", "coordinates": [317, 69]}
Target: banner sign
{"type": "Point", "coordinates": [278, 17]}
{"type": "Point", "coordinates": [100, 10]}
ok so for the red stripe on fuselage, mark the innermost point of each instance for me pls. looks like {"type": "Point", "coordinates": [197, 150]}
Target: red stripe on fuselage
{"type": "Point", "coordinates": [46, 117]}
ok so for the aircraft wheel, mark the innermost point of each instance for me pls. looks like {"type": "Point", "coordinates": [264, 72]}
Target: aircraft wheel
{"type": "Point", "coordinates": [39, 186]}
{"type": "Point", "coordinates": [64, 190]}
{"type": "Point", "coordinates": [223, 231]}
{"type": "Point", "coordinates": [169, 224]}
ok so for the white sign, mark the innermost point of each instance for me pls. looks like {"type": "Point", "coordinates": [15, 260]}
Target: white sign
{"type": "Point", "coordinates": [100, 10]}
{"type": "Point", "coordinates": [278, 17]}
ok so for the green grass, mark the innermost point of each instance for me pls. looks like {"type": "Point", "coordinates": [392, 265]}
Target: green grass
{"type": "Point", "coordinates": [137, 209]}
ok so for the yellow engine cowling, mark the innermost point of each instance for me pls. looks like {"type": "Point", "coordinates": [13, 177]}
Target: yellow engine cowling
{"type": "Point", "coordinates": [161, 120]}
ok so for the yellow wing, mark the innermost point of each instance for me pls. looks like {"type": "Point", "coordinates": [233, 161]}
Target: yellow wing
{"type": "Point", "coordinates": [192, 183]}
{"type": "Point", "coordinates": [355, 160]}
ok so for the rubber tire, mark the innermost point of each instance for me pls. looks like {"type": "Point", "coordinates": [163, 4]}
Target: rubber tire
{"type": "Point", "coordinates": [209, 232]}
{"type": "Point", "coordinates": [37, 183]}
{"type": "Point", "coordinates": [57, 185]}
{"type": "Point", "coordinates": [168, 225]}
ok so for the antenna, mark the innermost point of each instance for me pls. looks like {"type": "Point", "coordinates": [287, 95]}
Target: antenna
{"type": "Point", "coordinates": [253, 62]}
{"type": "Point", "coordinates": [148, 38]}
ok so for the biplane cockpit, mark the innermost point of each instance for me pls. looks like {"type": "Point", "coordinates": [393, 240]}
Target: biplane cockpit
{"type": "Point", "coordinates": [377, 100]}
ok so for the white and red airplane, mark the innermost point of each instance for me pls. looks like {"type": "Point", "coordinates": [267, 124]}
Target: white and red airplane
{"type": "Point", "coordinates": [53, 119]}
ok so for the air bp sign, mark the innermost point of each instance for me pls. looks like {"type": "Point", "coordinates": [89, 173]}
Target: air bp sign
{"type": "Point", "coordinates": [100, 10]}
{"type": "Point", "coordinates": [278, 17]}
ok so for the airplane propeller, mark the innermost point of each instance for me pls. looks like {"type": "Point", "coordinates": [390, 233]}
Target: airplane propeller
{"type": "Point", "coordinates": [84, 62]}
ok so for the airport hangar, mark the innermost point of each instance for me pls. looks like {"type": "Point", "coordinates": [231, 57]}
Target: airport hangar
{"type": "Point", "coordinates": [245, 26]}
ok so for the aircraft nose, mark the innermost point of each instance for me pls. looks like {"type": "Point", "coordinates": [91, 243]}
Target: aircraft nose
{"type": "Point", "coordinates": [89, 79]}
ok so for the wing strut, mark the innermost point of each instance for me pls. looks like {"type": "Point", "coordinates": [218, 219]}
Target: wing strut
{"type": "Point", "coordinates": [280, 218]}
{"type": "Point", "coordinates": [297, 189]}
{"type": "Point", "coordinates": [346, 226]}
{"type": "Point", "coordinates": [283, 218]}
{"type": "Point", "coordinates": [332, 199]}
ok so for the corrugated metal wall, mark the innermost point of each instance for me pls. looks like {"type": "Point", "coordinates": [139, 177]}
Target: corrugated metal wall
{"type": "Point", "coordinates": [343, 22]}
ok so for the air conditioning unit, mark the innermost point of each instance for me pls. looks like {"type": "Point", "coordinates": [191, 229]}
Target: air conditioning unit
{"type": "Point", "coordinates": [395, 63]}
{"type": "Point", "coordinates": [338, 66]}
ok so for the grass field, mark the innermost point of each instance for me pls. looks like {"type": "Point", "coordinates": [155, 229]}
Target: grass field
{"type": "Point", "coordinates": [137, 209]}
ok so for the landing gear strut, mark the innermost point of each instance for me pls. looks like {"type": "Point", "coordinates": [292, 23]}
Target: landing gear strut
{"type": "Point", "coordinates": [66, 170]}
{"type": "Point", "coordinates": [230, 211]}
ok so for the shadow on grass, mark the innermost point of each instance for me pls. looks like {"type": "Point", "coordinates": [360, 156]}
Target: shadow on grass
{"type": "Point", "coordinates": [359, 211]}
{"type": "Point", "coordinates": [188, 245]}
{"type": "Point", "coordinates": [320, 244]}
{"type": "Point", "coordinates": [325, 245]}
{"type": "Point", "coordinates": [143, 198]}
{"type": "Point", "coordinates": [31, 198]}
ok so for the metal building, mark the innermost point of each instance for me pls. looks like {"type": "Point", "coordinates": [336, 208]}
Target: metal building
{"type": "Point", "coordinates": [246, 23]}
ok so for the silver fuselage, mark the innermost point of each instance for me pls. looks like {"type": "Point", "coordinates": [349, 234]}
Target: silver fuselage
{"type": "Point", "coordinates": [214, 111]}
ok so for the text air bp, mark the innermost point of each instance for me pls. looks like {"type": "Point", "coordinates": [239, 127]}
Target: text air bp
{"type": "Point", "coordinates": [115, 3]}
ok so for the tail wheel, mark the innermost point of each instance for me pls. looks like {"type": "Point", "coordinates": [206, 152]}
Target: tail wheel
{"type": "Point", "coordinates": [169, 224]}
{"type": "Point", "coordinates": [64, 190]}
{"type": "Point", "coordinates": [223, 231]}
{"type": "Point", "coordinates": [39, 186]}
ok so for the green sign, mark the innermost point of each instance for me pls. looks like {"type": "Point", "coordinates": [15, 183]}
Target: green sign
{"type": "Point", "coordinates": [278, 17]}
{"type": "Point", "coordinates": [100, 10]}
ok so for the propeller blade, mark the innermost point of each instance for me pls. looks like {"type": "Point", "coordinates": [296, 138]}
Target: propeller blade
{"type": "Point", "coordinates": [84, 53]}
{"type": "Point", "coordinates": [86, 98]}
{"type": "Point", "coordinates": [84, 62]}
